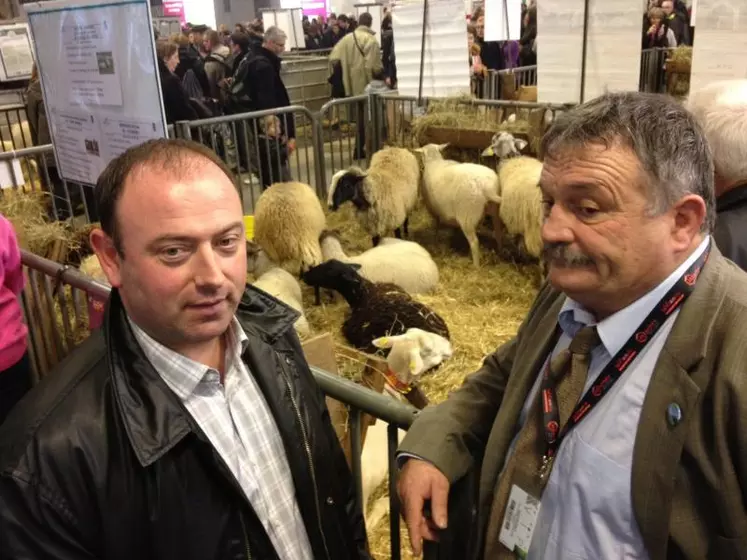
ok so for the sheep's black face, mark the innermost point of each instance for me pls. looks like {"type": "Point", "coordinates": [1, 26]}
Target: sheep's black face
{"type": "Point", "coordinates": [331, 274]}
{"type": "Point", "coordinates": [349, 188]}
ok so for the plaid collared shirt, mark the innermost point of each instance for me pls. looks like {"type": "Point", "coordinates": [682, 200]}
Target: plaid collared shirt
{"type": "Point", "coordinates": [238, 422]}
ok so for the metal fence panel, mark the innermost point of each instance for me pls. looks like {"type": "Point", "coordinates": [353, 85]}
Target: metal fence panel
{"type": "Point", "coordinates": [246, 143]}
{"type": "Point", "coordinates": [345, 135]}
{"type": "Point", "coordinates": [14, 129]}
{"type": "Point", "coordinates": [305, 78]}
{"type": "Point", "coordinates": [396, 113]}
{"type": "Point", "coordinates": [653, 74]}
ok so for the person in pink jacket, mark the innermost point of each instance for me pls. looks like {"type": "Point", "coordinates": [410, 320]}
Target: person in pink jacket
{"type": "Point", "coordinates": [15, 366]}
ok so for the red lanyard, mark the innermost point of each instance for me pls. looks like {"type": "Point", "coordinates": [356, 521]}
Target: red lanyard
{"type": "Point", "coordinates": [673, 299]}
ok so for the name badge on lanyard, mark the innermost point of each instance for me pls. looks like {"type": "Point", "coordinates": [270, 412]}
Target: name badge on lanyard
{"type": "Point", "coordinates": [523, 506]}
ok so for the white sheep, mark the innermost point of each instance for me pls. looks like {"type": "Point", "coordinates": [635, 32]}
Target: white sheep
{"type": "Point", "coordinates": [384, 195]}
{"type": "Point", "coordinates": [288, 220]}
{"type": "Point", "coordinates": [277, 282]}
{"type": "Point", "coordinates": [412, 353]}
{"type": "Point", "coordinates": [457, 193]}
{"type": "Point", "coordinates": [395, 261]}
{"type": "Point", "coordinates": [521, 198]}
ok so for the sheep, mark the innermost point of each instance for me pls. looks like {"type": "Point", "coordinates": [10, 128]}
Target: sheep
{"type": "Point", "coordinates": [456, 193]}
{"type": "Point", "coordinates": [288, 220]}
{"type": "Point", "coordinates": [277, 282]}
{"type": "Point", "coordinates": [411, 354]}
{"type": "Point", "coordinates": [395, 261]}
{"type": "Point", "coordinates": [376, 309]}
{"type": "Point", "coordinates": [383, 196]}
{"type": "Point", "coordinates": [521, 205]}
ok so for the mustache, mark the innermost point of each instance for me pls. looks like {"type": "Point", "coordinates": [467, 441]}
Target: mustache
{"type": "Point", "coordinates": [563, 254]}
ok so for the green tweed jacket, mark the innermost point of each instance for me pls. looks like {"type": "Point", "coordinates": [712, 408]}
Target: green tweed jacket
{"type": "Point", "coordinates": [689, 479]}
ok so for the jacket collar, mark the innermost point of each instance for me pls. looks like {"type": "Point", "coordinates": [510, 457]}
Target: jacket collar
{"type": "Point", "coordinates": [271, 56]}
{"type": "Point", "coordinates": [154, 418]}
{"type": "Point", "coordinates": [734, 197]}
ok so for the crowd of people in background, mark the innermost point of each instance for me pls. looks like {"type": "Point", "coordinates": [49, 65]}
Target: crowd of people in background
{"type": "Point", "coordinates": [666, 24]}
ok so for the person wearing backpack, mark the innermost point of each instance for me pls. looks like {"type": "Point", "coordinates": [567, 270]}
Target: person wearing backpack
{"type": "Point", "coordinates": [191, 70]}
{"type": "Point", "coordinates": [218, 63]}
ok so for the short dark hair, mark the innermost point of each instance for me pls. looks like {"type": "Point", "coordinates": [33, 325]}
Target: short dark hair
{"type": "Point", "coordinates": [176, 156]}
{"type": "Point", "coordinates": [365, 19]}
{"type": "Point", "coordinates": [667, 140]}
{"type": "Point", "coordinates": [240, 39]}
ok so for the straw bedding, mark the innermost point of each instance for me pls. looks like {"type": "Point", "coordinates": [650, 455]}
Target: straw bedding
{"type": "Point", "coordinates": [483, 308]}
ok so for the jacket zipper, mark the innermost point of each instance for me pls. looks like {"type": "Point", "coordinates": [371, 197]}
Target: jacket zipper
{"type": "Point", "coordinates": [246, 537]}
{"type": "Point", "coordinates": [311, 463]}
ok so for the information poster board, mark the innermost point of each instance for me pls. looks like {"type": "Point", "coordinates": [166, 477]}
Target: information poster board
{"type": "Point", "coordinates": [613, 49]}
{"type": "Point", "coordinates": [720, 43]}
{"type": "Point", "coordinates": [99, 77]}
{"type": "Point", "coordinates": [16, 54]}
{"type": "Point", "coordinates": [445, 67]}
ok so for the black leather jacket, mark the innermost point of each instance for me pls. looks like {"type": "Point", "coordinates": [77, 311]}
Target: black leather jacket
{"type": "Point", "coordinates": [101, 460]}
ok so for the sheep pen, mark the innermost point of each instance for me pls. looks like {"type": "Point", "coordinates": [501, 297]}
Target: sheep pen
{"type": "Point", "coordinates": [483, 309]}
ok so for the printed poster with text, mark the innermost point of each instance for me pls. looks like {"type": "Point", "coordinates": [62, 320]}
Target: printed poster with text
{"type": "Point", "coordinates": [100, 80]}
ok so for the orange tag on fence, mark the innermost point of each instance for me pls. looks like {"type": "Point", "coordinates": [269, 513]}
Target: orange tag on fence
{"type": "Point", "coordinates": [95, 312]}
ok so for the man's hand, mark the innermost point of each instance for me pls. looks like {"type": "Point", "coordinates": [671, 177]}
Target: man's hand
{"type": "Point", "coordinates": [418, 482]}
{"type": "Point", "coordinates": [291, 145]}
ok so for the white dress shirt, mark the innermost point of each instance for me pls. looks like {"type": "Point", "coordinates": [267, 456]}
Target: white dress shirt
{"type": "Point", "coordinates": [237, 420]}
{"type": "Point", "coordinates": [586, 510]}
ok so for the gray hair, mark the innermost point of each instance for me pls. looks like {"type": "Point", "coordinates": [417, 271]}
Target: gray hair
{"type": "Point", "coordinates": [275, 34]}
{"type": "Point", "coordinates": [721, 109]}
{"type": "Point", "coordinates": [668, 142]}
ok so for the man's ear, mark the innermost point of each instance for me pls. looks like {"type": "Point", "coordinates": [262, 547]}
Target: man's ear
{"type": "Point", "coordinates": [109, 257]}
{"type": "Point", "coordinates": [689, 215]}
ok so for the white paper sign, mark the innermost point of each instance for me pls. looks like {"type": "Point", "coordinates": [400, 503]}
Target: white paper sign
{"type": "Point", "coordinates": [721, 44]}
{"type": "Point", "coordinates": [16, 55]}
{"type": "Point", "coordinates": [613, 48]}
{"type": "Point", "coordinates": [100, 81]}
{"type": "Point", "coordinates": [502, 20]}
{"type": "Point", "coordinates": [445, 60]}
{"type": "Point", "coordinates": [518, 524]}
{"type": "Point", "coordinates": [11, 174]}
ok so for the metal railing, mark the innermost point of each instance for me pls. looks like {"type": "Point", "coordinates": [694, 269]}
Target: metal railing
{"type": "Point", "coordinates": [399, 111]}
{"type": "Point", "coordinates": [14, 129]}
{"type": "Point", "coordinates": [344, 129]}
{"type": "Point", "coordinates": [492, 85]}
{"type": "Point", "coordinates": [653, 70]}
{"type": "Point", "coordinates": [54, 304]}
{"type": "Point", "coordinates": [247, 143]}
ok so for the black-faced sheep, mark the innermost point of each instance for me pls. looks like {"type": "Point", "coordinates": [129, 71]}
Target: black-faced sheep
{"type": "Point", "coordinates": [384, 195]}
{"type": "Point", "coordinates": [457, 193]}
{"type": "Point", "coordinates": [376, 310]}
{"type": "Point", "coordinates": [404, 263]}
{"type": "Point", "coordinates": [288, 220]}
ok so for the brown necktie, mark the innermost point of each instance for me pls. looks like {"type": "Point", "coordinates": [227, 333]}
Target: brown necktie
{"type": "Point", "coordinates": [530, 445]}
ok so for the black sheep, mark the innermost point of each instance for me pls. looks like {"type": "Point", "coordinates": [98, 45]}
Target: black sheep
{"type": "Point", "coordinates": [377, 309]}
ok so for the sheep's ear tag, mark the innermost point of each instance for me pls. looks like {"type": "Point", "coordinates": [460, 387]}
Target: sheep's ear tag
{"type": "Point", "coordinates": [413, 367]}
{"type": "Point", "coordinates": [488, 152]}
{"type": "Point", "coordinates": [383, 342]}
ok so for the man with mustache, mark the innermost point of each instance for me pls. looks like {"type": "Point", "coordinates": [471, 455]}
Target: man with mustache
{"type": "Point", "coordinates": [190, 427]}
{"type": "Point", "coordinates": [609, 427]}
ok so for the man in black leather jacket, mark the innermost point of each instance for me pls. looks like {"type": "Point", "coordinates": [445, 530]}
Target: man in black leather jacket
{"type": "Point", "coordinates": [104, 460]}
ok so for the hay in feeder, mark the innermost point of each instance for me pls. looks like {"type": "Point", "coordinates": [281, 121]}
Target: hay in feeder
{"type": "Point", "coordinates": [679, 66]}
{"type": "Point", "coordinates": [27, 211]}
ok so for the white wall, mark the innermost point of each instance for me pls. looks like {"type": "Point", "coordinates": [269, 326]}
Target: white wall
{"type": "Point", "coordinates": [241, 12]}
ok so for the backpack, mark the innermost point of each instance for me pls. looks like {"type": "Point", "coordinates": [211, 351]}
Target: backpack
{"type": "Point", "coordinates": [240, 93]}
{"type": "Point", "coordinates": [227, 62]}
{"type": "Point", "coordinates": [192, 85]}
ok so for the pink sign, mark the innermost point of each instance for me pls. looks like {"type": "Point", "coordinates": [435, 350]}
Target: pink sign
{"type": "Point", "coordinates": [174, 8]}
{"type": "Point", "coordinates": [314, 8]}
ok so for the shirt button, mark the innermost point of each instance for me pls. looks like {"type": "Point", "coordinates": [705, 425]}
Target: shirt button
{"type": "Point", "coordinates": [288, 360]}
{"type": "Point", "coordinates": [674, 414]}
{"type": "Point", "coordinates": [330, 501]}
